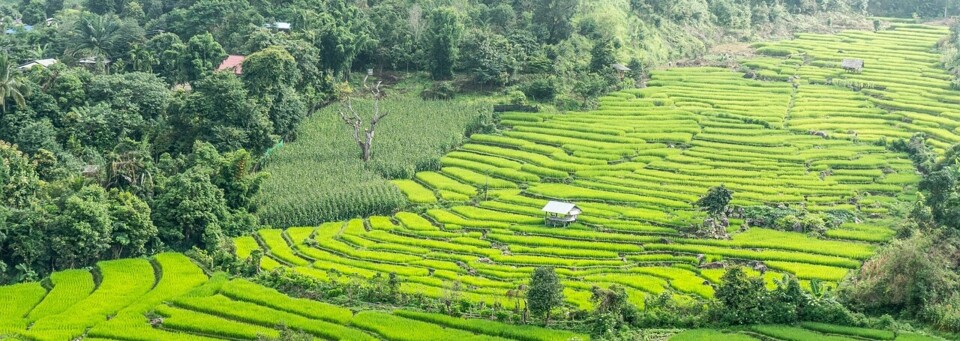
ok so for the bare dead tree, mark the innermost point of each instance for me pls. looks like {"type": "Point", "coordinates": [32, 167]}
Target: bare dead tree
{"type": "Point", "coordinates": [364, 136]}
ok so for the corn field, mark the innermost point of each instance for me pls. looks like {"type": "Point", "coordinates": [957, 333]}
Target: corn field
{"type": "Point", "coordinates": [320, 177]}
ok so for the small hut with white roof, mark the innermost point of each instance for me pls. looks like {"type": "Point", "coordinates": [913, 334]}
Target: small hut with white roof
{"type": "Point", "coordinates": [557, 213]}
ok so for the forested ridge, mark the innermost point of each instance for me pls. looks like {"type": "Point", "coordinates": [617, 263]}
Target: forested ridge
{"type": "Point", "coordinates": [125, 132]}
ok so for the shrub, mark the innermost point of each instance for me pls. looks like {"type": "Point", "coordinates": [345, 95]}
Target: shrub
{"type": "Point", "coordinates": [517, 97]}
{"type": "Point", "coordinates": [906, 277]}
{"type": "Point", "coordinates": [542, 89]}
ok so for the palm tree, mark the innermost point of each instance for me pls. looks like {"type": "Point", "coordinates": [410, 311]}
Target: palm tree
{"type": "Point", "coordinates": [10, 85]}
{"type": "Point", "coordinates": [94, 37]}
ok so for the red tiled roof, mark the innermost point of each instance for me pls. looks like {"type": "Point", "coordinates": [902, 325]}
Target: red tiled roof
{"type": "Point", "coordinates": [233, 62]}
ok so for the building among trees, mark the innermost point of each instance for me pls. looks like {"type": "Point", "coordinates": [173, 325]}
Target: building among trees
{"type": "Point", "coordinates": [233, 63]}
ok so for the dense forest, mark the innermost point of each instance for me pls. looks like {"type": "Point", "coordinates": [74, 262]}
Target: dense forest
{"type": "Point", "coordinates": [121, 135]}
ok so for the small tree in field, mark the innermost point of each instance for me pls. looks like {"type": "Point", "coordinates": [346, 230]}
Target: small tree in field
{"type": "Point", "coordinates": [716, 200]}
{"type": "Point", "coordinates": [364, 136]}
{"type": "Point", "coordinates": [715, 204]}
{"type": "Point", "coordinates": [545, 292]}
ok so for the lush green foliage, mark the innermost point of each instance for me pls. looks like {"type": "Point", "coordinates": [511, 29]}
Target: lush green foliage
{"type": "Point", "coordinates": [545, 292]}
{"type": "Point", "coordinates": [168, 168]}
{"type": "Point", "coordinates": [742, 299]}
{"type": "Point", "coordinates": [716, 200]}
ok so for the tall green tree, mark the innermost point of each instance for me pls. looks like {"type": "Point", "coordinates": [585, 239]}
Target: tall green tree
{"type": "Point", "coordinates": [545, 293]}
{"type": "Point", "coordinates": [285, 109]}
{"type": "Point", "coordinates": [133, 232]}
{"type": "Point", "coordinates": [270, 75]}
{"type": "Point", "coordinates": [191, 210]}
{"type": "Point", "coordinates": [33, 12]}
{"type": "Point", "coordinates": [339, 29]}
{"type": "Point", "coordinates": [169, 54]}
{"type": "Point", "coordinates": [11, 86]}
{"type": "Point", "coordinates": [203, 55]}
{"type": "Point", "coordinates": [52, 7]}
{"type": "Point", "coordinates": [494, 58]}
{"type": "Point", "coordinates": [316, 85]}
{"type": "Point", "coordinates": [603, 55]}
{"type": "Point", "coordinates": [716, 200]}
{"type": "Point", "coordinates": [443, 39]}
{"type": "Point", "coordinates": [80, 233]}
{"type": "Point", "coordinates": [742, 299]}
{"type": "Point", "coordinates": [219, 110]}
{"type": "Point", "coordinates": [139, 93]}
{"type": "Point", "coordinates": [395, 44]}
{"type": "Point", "coordinates": [230, 22]}
{"type": "Point", "coordinates": [268, 70]}
{"type": "Point", "coordinates": [553, 19]}
{"type": "Point", "coordinates": [19, 183]}
{"type": "Point", "coordinates": [101, 6]}
{"type": "Point", "coordinates": [103, 37]}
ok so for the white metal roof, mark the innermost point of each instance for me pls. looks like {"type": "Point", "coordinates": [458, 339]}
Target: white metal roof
{"type": "Point", "coordinates": [93, 60]}
{"type": "Point", "coordinates": [559, 207]}
{"type": "Point", "coordinates": [278, 25]}
{"type": "Point", "coordinates": [41, 62]}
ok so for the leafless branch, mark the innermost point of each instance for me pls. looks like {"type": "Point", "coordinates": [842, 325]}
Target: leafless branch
{"type": "Point", "coordinates": [353, 119]}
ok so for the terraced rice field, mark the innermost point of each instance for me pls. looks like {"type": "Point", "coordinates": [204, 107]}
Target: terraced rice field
{"type": "Point", "coordinates": [170, 298]}
{"type": "Point", "coordinates": [904, 88]}
{"type": "Point", "coordinates": [636, 165]}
